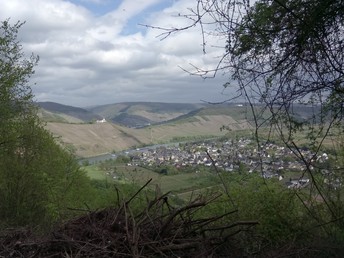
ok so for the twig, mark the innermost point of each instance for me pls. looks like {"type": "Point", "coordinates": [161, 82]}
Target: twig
{"type": "Point", "coordinates": [127, 202]}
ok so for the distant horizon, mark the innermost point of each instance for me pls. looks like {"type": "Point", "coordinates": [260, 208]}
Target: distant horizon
{"type": "Point", "coordinates": [133, 102]}
{"type": "Point", "coordinates": [95, 52]}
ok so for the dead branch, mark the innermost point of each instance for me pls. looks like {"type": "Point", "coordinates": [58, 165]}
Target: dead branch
{"type": "Point", "coordinates": [118, 232]}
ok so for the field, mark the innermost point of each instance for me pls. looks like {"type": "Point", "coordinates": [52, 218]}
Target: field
{"type": "Point", "coordinates": [183, 184]}
{"type": "Point", "coordinates": [95, 173]}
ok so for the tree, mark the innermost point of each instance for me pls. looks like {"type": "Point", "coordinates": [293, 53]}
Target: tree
{"type": "Point", "coordinates": [283, 56]}
{"type": "Point", "coordinates": [38, 179]}
{"type": "Point", "coordinates": [289, 53]}
{"type": "Point", "coordinates": [15, 71]}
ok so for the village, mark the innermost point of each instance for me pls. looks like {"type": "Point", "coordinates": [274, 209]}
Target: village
{"type": "Point", "coordinates": [242, 155]}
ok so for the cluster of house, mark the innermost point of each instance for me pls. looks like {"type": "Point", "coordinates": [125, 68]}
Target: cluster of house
{"type": "Point", "coordinates": [270, 160]}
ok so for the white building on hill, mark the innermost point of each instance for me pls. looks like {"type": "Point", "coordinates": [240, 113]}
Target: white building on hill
{"type": "Point", "coordinates": [101, 121]}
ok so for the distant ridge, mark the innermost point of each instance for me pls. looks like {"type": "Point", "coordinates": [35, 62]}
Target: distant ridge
{"type": "Point", "coordinates": [126, 125]}
{"type": "Point", "coordinates": [141, 114]}
{"type": "Point", "coordinates": [60, 109]}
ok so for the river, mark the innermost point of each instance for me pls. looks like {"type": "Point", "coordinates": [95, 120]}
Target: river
{"type": "Point", "coordinates": [107, 156]}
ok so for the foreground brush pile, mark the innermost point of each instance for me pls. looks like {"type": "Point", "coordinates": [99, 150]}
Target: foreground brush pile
{"type": "Point", "coordinates": [157, 231]}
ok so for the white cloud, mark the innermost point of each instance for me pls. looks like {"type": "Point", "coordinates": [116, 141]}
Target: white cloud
{"type": "Point", "coordinates": [87, 60]}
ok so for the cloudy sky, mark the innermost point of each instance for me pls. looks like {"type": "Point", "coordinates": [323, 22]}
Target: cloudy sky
{"type": "Point", "coordinates": [95, 52]}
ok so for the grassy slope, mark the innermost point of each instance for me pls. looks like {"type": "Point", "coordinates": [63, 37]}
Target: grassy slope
{"type": "Point", "coordinates": [59, 118]}
{"type": "Point", "coordinates": [183, 184]}
{"type": "Point", "coordinates": [94, 139]}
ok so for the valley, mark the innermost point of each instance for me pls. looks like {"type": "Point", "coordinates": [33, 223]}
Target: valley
{"type": "Point", "coordinates": [185, 122]}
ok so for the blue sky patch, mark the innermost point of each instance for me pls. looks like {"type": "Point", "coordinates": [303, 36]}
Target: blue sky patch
{"type": "Point", "coordinates": [98, 8]}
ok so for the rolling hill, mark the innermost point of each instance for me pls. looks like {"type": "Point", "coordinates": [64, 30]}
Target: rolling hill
{"type": "Point", "coordinates": [140, 114]}
{"type": "Point", "coordinates": [94, 139]}
{"type": "Point", "coordinates": [168, 122]}
{"type": "Point", "coordinates": [129, 114]}
{"type": "Point", "coordinates": [55, 112]}
{"type": "Point", "coordinates": [131, 125]}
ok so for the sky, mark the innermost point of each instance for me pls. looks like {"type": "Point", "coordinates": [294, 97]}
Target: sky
{"type": "Point", "coordinates": [96, 52]}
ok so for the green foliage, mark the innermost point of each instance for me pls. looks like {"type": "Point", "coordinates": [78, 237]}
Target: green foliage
{"type": "Point", "coordinates": [286, 55]}
{"type": "Point", "coordinates": [277, 209]}
{"type": "Point", "coordinates": [15, 94]}
{"type": "Point", "coordinates": [38, 179]}
{"type": "Point", "coordinates": [282, 219]}
{"type": "Point", "coordinates": [105, 193]}
{"type": "Point", "coordinates": [122, 159]}
{"type": "Point", "coordinates": [288, 48]}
